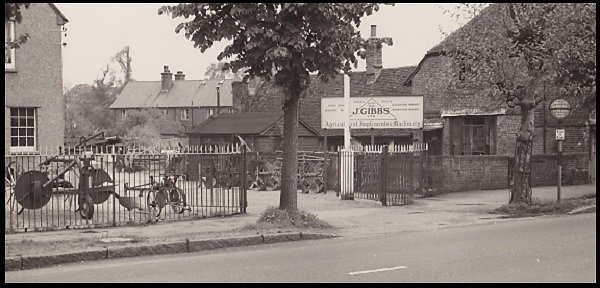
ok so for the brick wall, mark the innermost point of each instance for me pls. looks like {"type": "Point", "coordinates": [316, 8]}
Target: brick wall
{"type": "Point", "coordinates": [463, 173]}
{"type": "Point", "coordinates": [507, 127]}
{"type": "Point", "coordinates": [575, 169]}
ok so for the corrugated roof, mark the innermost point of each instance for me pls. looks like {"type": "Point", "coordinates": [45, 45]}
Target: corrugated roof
{"type": "Point", "coordinates": [183, 93]}
{"type": "Point", "coordinates": [237, 123]}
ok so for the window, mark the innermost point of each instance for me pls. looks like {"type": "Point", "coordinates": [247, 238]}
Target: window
{"type": "Point", "coordinates": [185, 114]}
{"type": "Point", "coordinates": [473, 135]}
{"type": "Point", "coordinates": [22, 130]}
{"type": "Point", "coordinates": [210, 112]}
{"type": "Point", "coordinates": [9, 51]}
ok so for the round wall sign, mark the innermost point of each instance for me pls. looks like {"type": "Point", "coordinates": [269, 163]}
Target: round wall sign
{"type": "Point", "coordinates": [560, 108]}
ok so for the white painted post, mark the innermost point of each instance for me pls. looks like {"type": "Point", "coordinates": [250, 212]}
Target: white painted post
{"type": "Point", "coordinates": [347, 159]}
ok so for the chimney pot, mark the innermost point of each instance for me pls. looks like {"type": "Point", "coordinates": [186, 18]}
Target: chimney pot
{"type": "Point", "coordinates": [373, 31]}
{"type": "Point", "coordinates": [179, 76]}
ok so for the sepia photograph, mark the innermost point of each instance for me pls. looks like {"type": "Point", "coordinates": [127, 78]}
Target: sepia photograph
{"type": "Point", "coordinates": [300, 142]}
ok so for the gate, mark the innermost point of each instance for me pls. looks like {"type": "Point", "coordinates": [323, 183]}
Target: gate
{"type": "Point", "coordinates": [391, 177]}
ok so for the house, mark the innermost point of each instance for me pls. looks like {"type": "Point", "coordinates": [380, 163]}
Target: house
{"type": "Point", "coordinates": [262, 132]}
{"type": "Point", "coordinates": [188, 101]}
{"type": "Point", "coordinates": [33, 94]}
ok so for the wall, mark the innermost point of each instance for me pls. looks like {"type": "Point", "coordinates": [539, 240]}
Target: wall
{"type": "Point", "coordinates": [37, 80]}
{"type": "Point", "coordinates": [463, 173]}
{"type": "Point", "coordinates": [575, 167]}
{"type": "Point", "coordinates": [507, 127]}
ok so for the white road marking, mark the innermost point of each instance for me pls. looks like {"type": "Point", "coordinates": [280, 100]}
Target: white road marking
{"type": "Point", "coordinates": [377, 270]}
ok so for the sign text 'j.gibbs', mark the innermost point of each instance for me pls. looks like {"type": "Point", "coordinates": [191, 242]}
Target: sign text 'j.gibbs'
{"type": "Point", "coordinates": [373, 112]}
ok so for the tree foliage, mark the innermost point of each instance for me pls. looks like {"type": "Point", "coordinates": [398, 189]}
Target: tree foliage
{"type": "Point", "coordinates": [142, 127]}
{"type": "Point", "coordinates": [283, 42]}
{"type": "Point", "coordinates": [512, 50]}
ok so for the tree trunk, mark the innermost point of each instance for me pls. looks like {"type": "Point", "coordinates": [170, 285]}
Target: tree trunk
{"type": "Point", "coordinates": [521, 187]}
{"type": "Point", "coordinates": [289, 174]}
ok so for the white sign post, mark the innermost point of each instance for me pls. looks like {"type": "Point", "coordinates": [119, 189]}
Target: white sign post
{"type": "Point", "coordinates": [347, 155]}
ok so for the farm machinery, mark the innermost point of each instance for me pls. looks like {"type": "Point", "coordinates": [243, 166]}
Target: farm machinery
{"type": "Point", "coordinates": [34, 189]}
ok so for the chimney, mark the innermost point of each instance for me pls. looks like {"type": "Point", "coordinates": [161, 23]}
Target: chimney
{"type": "Point", "coordinates": [167, 79]}
{"type": "Point", "coordinates": [374, 55]}
{"type": "Point", "coordinates": [179, 76]}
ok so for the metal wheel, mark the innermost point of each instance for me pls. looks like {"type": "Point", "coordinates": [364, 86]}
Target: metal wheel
{"type": "Point", "coordinates": [86, 207]}
{"type": "Point", "coordinates": [29, 191]}
{"type": "Point", "coordinates": [100, 176]}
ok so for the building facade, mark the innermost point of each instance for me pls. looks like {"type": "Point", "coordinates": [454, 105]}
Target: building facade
{"type": "Point", "coordinates": [33, 94]}
{"type": "Point", "coordinates": [189, 102]}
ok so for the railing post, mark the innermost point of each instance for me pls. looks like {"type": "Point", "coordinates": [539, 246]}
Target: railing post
{"type": "Point", "coordinates": [243, 187]}
{"type": "Point", "coordinates": [383, 176]}
{"type": "Point", "coordinates": [114, 202]}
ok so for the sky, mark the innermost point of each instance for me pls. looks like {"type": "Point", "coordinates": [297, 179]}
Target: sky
{"type": "Point", "coordinates": [96, 32]}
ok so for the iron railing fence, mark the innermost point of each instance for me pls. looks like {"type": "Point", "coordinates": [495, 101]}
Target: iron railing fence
{"type": "Point", "coordinates": [113, 186]}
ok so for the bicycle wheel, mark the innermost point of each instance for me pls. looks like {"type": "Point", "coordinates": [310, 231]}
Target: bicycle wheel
{"type": "Point", "coordinates": [155, 201]}
{"type": "Point", "coordinates": [177, 200]}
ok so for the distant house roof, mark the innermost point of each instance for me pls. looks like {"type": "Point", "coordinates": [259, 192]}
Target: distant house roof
{"type": "Point", "coordinates": [388, 83]}
{"type": "Point", "coordinates": [243, 123]}
{"type": "Point", "coordinates": [183, 93]}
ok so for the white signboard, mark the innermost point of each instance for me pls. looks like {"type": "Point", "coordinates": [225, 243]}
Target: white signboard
{"type": "Point", "coordinates": [560, 134]}
{"type": "Point", "coordinates": [373, 112]}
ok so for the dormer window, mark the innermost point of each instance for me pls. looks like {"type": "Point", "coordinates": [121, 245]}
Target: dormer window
{"type": "Point", "coordinates": [9, 50]}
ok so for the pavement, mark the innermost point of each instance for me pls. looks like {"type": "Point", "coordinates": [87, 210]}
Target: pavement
{"type": "Point", "coordinates": [351, 218]}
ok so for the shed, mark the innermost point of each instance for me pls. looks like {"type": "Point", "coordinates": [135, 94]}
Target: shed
{"type": "Point", "coordinates": [261, 132]}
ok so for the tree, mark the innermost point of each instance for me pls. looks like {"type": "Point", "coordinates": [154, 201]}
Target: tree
{"type": "Point", "coordinates": [88, 105]}
{"type": "Point", "coordinates": [123, 58]}
{"type": "Point", "coordinates": [511, 50]}
{"type": "Point", "coordinates": [283, 42]}
{"type": "Point", "coordinates": [215, 71]}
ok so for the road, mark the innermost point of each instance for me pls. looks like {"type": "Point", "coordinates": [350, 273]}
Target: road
{"type": "Point", "coordinates": [543, 249]}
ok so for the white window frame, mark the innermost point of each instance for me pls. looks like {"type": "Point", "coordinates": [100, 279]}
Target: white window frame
{"type": "Point", "coordinates": [9, 37]}
{"type": "Point", "coordinates": [25, 148]}
{"type": "Point", "coordinates": [185, 114]}
{"type": "Point", "coordinates": [210, 112]}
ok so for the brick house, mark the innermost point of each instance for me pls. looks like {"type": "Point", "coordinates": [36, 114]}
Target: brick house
{"type": "Point", "coordinates": [189, 102]}
{"type": "Point", "coordinates": [33, 95]}
{"type": "Point", "coordinates": [262, 132]}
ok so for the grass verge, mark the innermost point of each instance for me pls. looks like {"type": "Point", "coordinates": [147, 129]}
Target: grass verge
{"type": "Point", "coordinates": [273, 217]}
{"type": "Point", "coordinates": [545, 207]}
